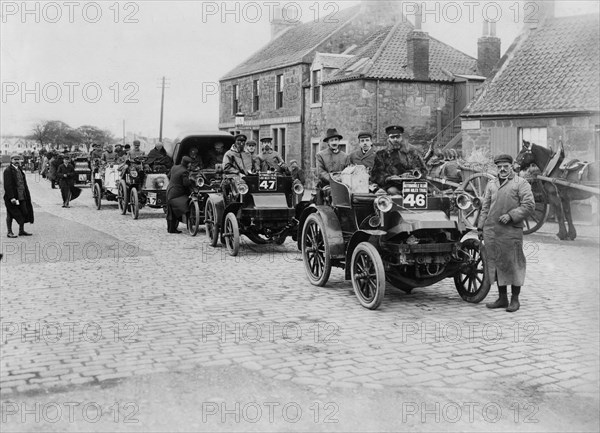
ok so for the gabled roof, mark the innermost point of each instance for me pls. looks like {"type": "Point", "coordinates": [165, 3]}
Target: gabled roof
{"type": "Point", "coordinates": [385, 57]}
{"type": "Point", "coordinates": [553, 69]}
{"type": "Point", "coordinates": [293, 45]}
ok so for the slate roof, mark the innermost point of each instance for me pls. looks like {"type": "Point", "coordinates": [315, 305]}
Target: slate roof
{"type": "Point", "coordinates": [293, 45]}
{"type": "Point", "coordinates": [385, 57]}
{"type": "Point", "coordinates": [553, 69]}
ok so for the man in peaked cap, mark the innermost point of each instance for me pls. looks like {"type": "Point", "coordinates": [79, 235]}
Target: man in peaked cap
{"type": "Point", "coordinates": [331, 159]}
{"type": "Point", "coordinates": [507, 202]}
{"type": "Point", "coordinates": [397, 158]}
{"type": "Point", "coordinates": [270, 160]}
{"type": "Point", "coordinates": [365, 155]}
{"type": "Point", "coordinates": [233, 161]}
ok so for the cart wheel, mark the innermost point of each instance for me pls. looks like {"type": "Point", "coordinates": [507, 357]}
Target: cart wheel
{"type": "Point", "coordinates": [193, 220]}
{"type": "Point", "coordinates": [315, 251]}
{"type": "Point", "coordinates": [470, 281]}
{"type": "Point", "coordinates": [210, 222]}
{"type": "Point", "coordinates": [231, 234]}
{"type": "Point", "coordinates": [97, 192]}
{"type": "Point", "coordinates": [122, 197]}
{"type": "Point", "coordinates": [474, 185]}
{"type": "Point", "coordinates": [134, 202]}
{"type": "Point", "coordinates": [368, 275]}
{"type": "Point", "coordinates": [537, 219]}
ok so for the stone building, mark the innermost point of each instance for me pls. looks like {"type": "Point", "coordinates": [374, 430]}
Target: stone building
{"type": "Point", "coordinates": [546, 90]}
{"type": "Point", "coordinates": [367, 69]}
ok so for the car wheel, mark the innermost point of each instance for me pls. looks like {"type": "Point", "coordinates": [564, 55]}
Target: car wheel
{"type": "Point", "coordinates": [315, 251]}
{"type": "Point", "coordinates": [231, 234]}
{"type": "Point", "coordinates": [193, 220]}
{"type": "Point", "coordinates": [122, 197]}
{"type": "Point", "coordinates": [368, 275]}
{"type": "Point", "coordinates": [97, 195]}
{"type": "Point", "coordinates": [471, 281]}
{"type": "Point", "coordinates": [134, 202]}
{"type": "Point", "coordinates": [210, 223]}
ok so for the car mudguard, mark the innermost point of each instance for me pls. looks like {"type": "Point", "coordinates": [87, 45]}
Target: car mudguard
{"type": "Point", "coordinates": [231, 208]}
{"type": "Point", "coordinates": [371, 236]}
{"type": "Point", "coordinates": [335, 239]}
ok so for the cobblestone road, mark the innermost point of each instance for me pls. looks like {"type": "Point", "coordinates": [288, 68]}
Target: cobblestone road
{"type": "Point", "coordinates": [95, 296]}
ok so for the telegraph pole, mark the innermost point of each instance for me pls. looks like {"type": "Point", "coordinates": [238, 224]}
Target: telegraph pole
{"type": "Point", "coordinates": [162, 105]}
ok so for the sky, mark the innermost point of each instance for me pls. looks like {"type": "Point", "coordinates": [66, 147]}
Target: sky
{"type": "Point", "coordinates": [101, 63]}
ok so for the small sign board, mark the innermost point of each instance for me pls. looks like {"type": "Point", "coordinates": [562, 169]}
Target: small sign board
{"type": "Point", "coordinates": [267, 181]}
{"type": "Point", "coordinates": [414, 195]}
{"type": "Point", "coordinates": [470, 124]}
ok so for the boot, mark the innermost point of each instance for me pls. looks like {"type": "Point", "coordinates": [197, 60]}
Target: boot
{"type": "Point", "coordinates": [10, 233]}
{"type": "Point", "coordinates": [502, 301]}
{"type": "Point", "coordinates": [514, 300]}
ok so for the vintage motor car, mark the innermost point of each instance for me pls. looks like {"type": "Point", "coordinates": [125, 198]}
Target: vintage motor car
{"type": "Point", "coordinates": [106, 183]}
{"type": "Point", "coordinates": [83, 169]}
{"type": "Point", "coordinates": [206, 177]}
{"type": "Point", "coordinates": [407, 240]}
{"type": "Point", "coordinates": [262, 206]}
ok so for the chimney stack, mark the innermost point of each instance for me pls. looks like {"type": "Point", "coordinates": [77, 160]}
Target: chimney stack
{"type": "Point", "coordinates": [418, 50]}
{"type": "Point", "coordinates": [280, 23]}
{"type": "Point", "coordinates": [488, 50]}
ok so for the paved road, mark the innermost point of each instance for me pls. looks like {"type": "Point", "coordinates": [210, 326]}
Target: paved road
{"type": "Point", "coordinates": [97, 307]}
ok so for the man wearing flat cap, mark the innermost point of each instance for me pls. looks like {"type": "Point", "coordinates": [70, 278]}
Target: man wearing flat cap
{"type": "Point", "coordinates": [270, 160]}
{"type": "Point", "coordinates": [234, 161]}
{"type": "Point", "coordinates": [507, 202]}
{"type": "Point", "coordinates": [365, 155]}
{"type": "Point", "coordinates": [96, 152]}
{"type": "Point", "coordinates": [178, 192]}
{"type": "Point", "coordinates": [331, 159]}
{"type": "Point", "coordinates": [397, 158]}
{"type": "Point", "coordinates": [16, 197]}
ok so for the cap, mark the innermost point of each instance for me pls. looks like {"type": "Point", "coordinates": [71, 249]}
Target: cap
{"type": "Point", "coordinates": [136, 142]}
{"type": "Point", "coordinates": [240, 136]}
{"type": "Point", "coordinates": [503, 158]}
{"type": "Point", "coordinates": [394, 129]}
{"type": "Point", "coordinates": [250, 143]}
{"type": "Point", "coordinates": [265, 139]}
{"type": "Point", "coordinates": [365, 134]}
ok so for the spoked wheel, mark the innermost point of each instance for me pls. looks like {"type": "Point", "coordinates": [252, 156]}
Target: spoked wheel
{"type": "Point", "coordinates": [231, 234]}
{"type": "Point", "coordinates": [471, 282]}
{"type": "Point", "coordinates": [193, 220]}
{"type": "Point", "coordinates": [475, 186]}
{"type": "Point", "coordinates": [368, 275]}
{"type": "Point", "coordinates": [122, 197]}
{"type": "Point", "coordinates": [540, 214]}
{"type": "Point", "coordinates": [211, 224]}
{"type": "Point", "coordinates": [134, 203]}
{"type": "Point", "coordinates": [97, 192]}
{"type": "Point", "coordinates": [315, 251]}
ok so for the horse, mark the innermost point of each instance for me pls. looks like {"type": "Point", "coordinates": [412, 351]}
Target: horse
{"type": "Point", "coordinates": [554, 165]}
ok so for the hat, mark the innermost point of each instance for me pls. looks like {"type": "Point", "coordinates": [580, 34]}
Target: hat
{"type": "Point", "coordinates": [331, 133]}
{"type": "Point", "coordinates": [365, 134]}
{"type": "Point", "coordinates": [394, 129]}
{"type": "Point", "coordinates": [250, 143]}
{"type": "Point", "coordinates": [127, 146]}
{"type": "Point", "coordinates": [95, 145]}
{"type": "Point", "coordinates": [186, 160]}
{"type": "Point", "coordinates": [264, 139]}
{"type": "Point", "coordinates": [118, 145]}
{"type": "Point", "coordinates": [16, 155]}
{"type": "Point", "coordinates": [237, 137]}
{"type": "Point", "coordinates": [503, 158]}
{"type": "Point", "coordinates": [136, 142]}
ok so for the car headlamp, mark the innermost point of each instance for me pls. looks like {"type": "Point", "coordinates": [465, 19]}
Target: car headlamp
{"type": "Point", "coordinates": [242, 188]}
{"type": "Point", "coordinates": [298, 187]}
{"type": "Point", "coordinates": [200, 182]}
{"type": "Point", "coordinates": [464, 201]}
{"type": "Point", "coordinates": [384, 203]}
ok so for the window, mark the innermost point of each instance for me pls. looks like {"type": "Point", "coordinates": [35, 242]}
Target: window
{"type": "Point", "coordinates": [279, 94]}
{"type": "Point", "coordinates": [279, 141]}
{"type": "Point", "coordinates": [255, 95]}
{"type": "Point", "coordinates": [538, 136]}
{"type": "Point", "coordinates": [255, 135]}
{"type": "Point", "coordinates": [235, 103]}
{"type": "Point", "coordinates": [316, 87]}
{"type": "Point", "coordinates": [315, 148]}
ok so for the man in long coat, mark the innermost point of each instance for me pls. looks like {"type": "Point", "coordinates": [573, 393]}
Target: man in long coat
{"type": "Point", "coordinates": [16, 197]}
{"type": "Point", "coordinates": [507, 202]}
{"type": "Point", "coordinates": [178, 192]}
{"type": "Point", "coordinates": [66, 179]}
{"type": "Point", "coordinates": [365, 155]}
{"type": "Point", "coordinates": [332, 159]}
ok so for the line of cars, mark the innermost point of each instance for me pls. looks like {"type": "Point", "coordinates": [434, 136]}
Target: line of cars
{"type": "Point", "coordinates": [407, 240]}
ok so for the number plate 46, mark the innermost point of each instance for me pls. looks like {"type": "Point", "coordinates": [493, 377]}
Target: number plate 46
{"type": "Point", "coordinates": [414, 195]}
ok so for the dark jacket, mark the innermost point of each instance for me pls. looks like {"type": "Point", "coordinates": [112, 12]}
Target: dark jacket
{"type": "Point", "coordinates": [22, 213]}
{"type": "Point", "coordinates": [235, 162]}
{"type": "Point", "coordinates": [66, 175]}
{"type": "Point", "coordinates": [159, 157]}
{"type": "Point", "coordinates": [359, 158]}
{"type": "Point", "coordinates": [329, 162]}
{"type": "Point", "coordinates": [178, 191]}
{"type": "Point", "coordinates": [395, 162]}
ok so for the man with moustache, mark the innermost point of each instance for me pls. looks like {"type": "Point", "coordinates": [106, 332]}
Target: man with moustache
{"type": "Point", "coordinates": [507, 202]}
{"type": "Point", "coordinates": [365, 155]}
{"type": "Point", "coordinates": [331, 159]}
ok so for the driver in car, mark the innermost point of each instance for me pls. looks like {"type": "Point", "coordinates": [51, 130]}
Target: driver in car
{"type": "Point", "coordinates": [196, 163]}
{"type": "Point", "coordinates": [236, 161]}
{"type": "Point", "coordinates": [397, 158]}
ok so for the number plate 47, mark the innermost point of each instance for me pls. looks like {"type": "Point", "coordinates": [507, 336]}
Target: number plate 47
{"type": "Point", "coordinates": [414, 195]}
{"type": "Point", "coordinates": [267, 183]}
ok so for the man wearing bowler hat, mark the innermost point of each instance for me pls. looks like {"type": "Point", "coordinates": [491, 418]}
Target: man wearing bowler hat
{"type": "Point", "coordinates": [365, 155]}
{"type": "Point", "coordinates": [507, 202]}
{"type": "Point", "coordinates": [331, 159]}
{"type": "Point", "coordinates": [397, 158]}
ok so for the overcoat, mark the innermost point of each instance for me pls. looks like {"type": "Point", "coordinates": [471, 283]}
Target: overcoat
{"type": "Point", "coordinates": [390, 162]}
{"type": "Point", "coordinates": [178, 191]}
{"type": "Point", "coordinates": [359, 158]}
{"type": "Point", "coordinates": [23, 212]}
{"type": "Point", "coordinates": [504, 242]}
{"type": "Point", "coordinates": [328, 162]}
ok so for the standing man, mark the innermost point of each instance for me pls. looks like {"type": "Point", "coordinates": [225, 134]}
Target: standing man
{"type": "Point", "coordinates": [66, 179]}
{"type": "Point", "coordinates": [365, 155]}
{"type": "Point", "coordinates": [398, 158]}
{"type": "Point", "coordinates": [178, 191]}
{"type": "Point", "coordinates": [269, 159]}
{"type": "Point", "coordinates": [508, 201]}
{"type": "Point", "coordinates": [16, 197]}
{"type": "Point", "coordinates": [331, 159]}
